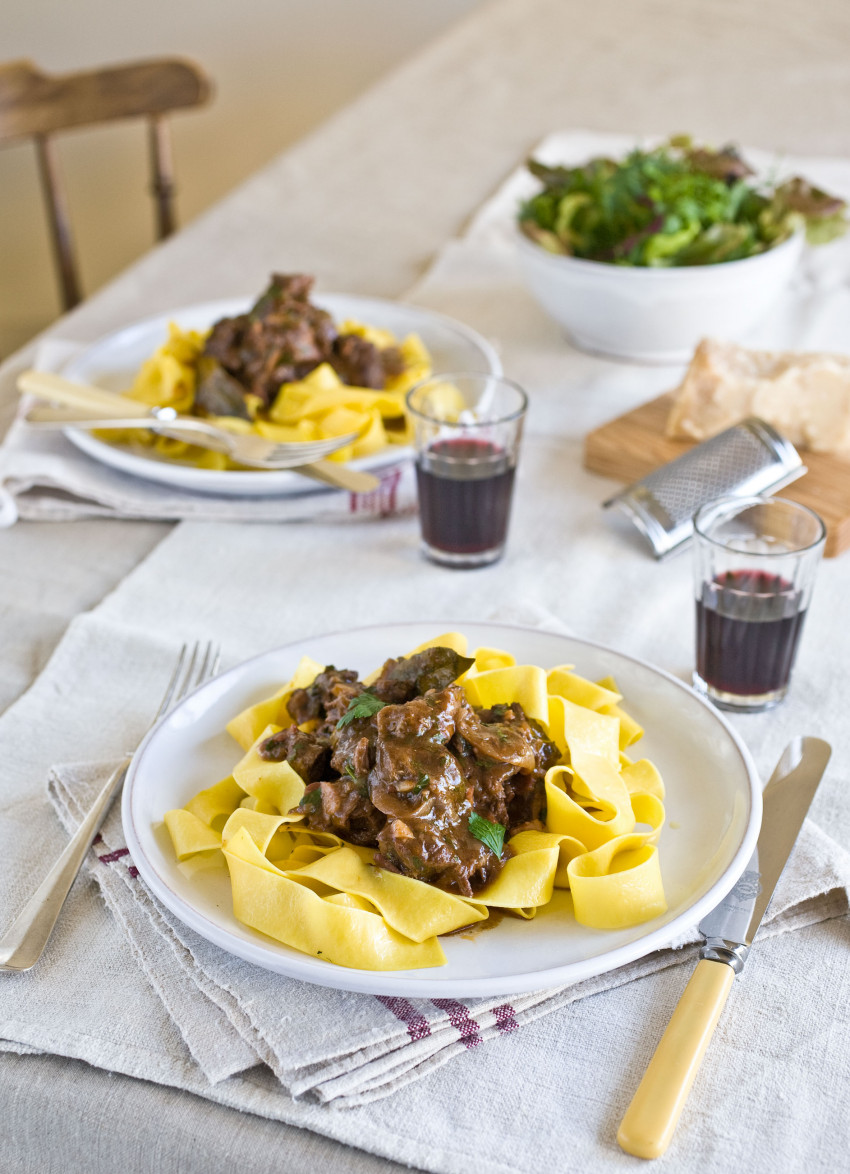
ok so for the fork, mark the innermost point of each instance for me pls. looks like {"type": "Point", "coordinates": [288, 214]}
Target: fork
{"type": "Point", "coordinates": [23, 943]}
{"type": "Point", "coordinates": [120, 411]}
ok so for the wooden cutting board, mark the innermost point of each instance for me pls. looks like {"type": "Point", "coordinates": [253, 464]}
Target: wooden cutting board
{"type": "Point", "coordinates": [633, 445]}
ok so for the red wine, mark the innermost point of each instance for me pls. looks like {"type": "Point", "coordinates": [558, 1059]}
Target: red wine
{"type": "Point", "coordinates": [465, 488]}
{"type": "Point", "coordinates": [748, 627]}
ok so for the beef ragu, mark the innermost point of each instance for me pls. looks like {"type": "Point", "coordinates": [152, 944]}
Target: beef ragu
{"type": "Point", "coordinates": [282, 338]}
{"type": "Point", "coordinates": [405, 764]}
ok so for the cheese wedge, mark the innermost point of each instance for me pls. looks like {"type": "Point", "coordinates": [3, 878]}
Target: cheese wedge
{"type": "Point", "coordinates": [804, 395]}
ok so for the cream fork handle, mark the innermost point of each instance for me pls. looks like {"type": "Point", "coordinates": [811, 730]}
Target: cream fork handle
{"type": "Point", "coordinates": [332, 473]}
{"type": "Point", "coordinates": [22, 944]}
{"type": "Point", "coordinates": [59, 390]}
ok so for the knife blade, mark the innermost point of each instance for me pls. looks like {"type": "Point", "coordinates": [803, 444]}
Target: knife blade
{"type": "Point", "coordinates": [650, 1120]}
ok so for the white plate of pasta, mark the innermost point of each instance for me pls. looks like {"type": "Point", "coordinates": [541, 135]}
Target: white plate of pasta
{"type": "Point", "coordinates": [437, 343]}
{"type": "Point", "coordinates": [190, 762]}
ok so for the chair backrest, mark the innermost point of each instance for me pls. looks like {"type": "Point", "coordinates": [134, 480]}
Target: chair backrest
{"type": "Point", "coordinates": [36, 105]}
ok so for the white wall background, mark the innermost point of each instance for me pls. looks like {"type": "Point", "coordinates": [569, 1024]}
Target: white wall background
{"type": "Point", "coordinates": [280, 67]}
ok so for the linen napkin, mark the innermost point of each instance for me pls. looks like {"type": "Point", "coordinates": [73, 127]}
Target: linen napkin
{"type": "Point", "coordinates": [43, 477]}
{"type": "Point", "coordinates": [350, 1049]}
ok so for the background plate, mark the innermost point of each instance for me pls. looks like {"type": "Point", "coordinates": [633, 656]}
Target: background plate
{"type": "Point", "coordinates": [114, 360]}
{"type": "Point", "coordinates": [713, 815]}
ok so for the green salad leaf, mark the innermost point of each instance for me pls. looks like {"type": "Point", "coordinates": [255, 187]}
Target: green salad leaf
{"type": "Point", "coordinates": [673, 206]}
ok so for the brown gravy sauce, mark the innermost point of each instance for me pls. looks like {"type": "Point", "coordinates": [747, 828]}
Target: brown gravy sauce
{"type": "Point", "coordinates": [468, 932]}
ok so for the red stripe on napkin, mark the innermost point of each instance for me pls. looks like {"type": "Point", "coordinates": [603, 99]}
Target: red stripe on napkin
{"type": "Point", "coordinates": [417, 1025]}
{"type": "Point", "coordinates": [109, 857]}
{"type": "Point", "coordinates": [505, 1018]}
{"type": "Point", "coordinates": [461, 1021]}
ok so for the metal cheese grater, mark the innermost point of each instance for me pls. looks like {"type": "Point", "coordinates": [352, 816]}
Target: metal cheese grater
{"type": "Point", "coordinates": [749, 458]}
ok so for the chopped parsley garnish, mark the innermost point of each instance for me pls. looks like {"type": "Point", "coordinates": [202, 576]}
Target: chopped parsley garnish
{"type": "Point", "coordinates": [365, 705]}
{"type": "Point", "coordinates": [312, 798]}
{"type": "Point", "coordinates": [491, 834]}
{"type": "Point", "coordinates": [421, 782]}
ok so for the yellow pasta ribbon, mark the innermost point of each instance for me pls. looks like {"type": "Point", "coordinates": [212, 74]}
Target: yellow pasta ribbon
{"type": "Point", "coordinates": [275, 783]}
{"type": "Point", "coordinates": [416, 910]}
{"type": "Point", "coordinates": [618, 884]}
{"type": "Point", "coordinates": [216, 804]}
{"type": "Point", "coordinates": [565, 683]}
{"type": "Point", "coordinates": [501, 686]}
{"type": "Point", "coordinates": [169, 377]}
{"type": "Point", "coordinates": [247, 726]}
{"type": "Point", "coordinates": [630, 730]}
{"type": "Point", "coordinates": [268, 900]}
{"type": "Point", "coordinates": [526, 881]}
{"type": "Point", "coordinates": [189, 835]}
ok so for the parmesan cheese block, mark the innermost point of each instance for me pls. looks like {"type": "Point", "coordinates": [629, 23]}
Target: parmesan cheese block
{"type": "Point", "coordinates": [805, 396]}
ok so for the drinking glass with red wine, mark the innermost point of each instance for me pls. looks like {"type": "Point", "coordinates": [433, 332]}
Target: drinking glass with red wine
{"type": "Point", "coordinates": [468, 429]}
{"type": "Point", "coordinates": [755, 564]}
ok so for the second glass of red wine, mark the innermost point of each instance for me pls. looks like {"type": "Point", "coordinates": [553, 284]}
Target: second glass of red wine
{"type": "Point", "coordinates": [755, 564]}
{"type": "Point", "coordinates": [468, 429]}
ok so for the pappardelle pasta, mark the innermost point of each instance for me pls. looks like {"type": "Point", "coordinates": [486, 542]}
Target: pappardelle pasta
{"type": "Point", "coordinates": [284, 371]}
{"type": "Point", "coordinates": [369, 817]}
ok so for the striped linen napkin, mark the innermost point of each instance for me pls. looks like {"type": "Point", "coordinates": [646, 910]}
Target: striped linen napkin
{"type": "Point", "coordinates": [333, 1046]}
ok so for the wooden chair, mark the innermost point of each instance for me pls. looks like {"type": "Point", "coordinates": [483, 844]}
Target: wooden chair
{"type": "Point", "coordinates": [36, 105]}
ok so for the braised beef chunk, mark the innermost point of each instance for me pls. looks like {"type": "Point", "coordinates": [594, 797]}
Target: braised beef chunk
{"type": "Point", "coordinates": [409, 676]}
{"type": "Point", "coordinates": [282, 339]}
{"type": "Point", "coordinates": [224, 340]}
{"type": "Point", "coordinates": [417, 782]}
{"type": "Point", "coordinates": [526, 801]}
{"type": "Point", "coordinates": [218, 393]}
{"type": "Point", "coordinates": [358, 362]}
{"type": "Point", "coordinates": [327, 698]}
{"type": "Point", "coordinates": [353, 748]}
{"type": "Point", "coordinates": [407, 778]}
{"type": "Point", "coordinates": [414, 771]}
{"type": "Point", "coordinates": [308, 754]}
{"type": "Point", "coordinates": [342, 806]}
{"type": "Point", "coordinates": [452, 860]}
{"type": "Point", "coordinates": [291, 287]}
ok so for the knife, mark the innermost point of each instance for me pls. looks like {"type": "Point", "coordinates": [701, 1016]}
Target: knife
{"type": "Point", "coordinates": [651, 1118]}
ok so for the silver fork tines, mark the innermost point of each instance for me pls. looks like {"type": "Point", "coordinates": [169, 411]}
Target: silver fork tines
{"type": "Point", "coordinates": [23, 943]}
{"type": "Point", "coordinates": [190, 671]}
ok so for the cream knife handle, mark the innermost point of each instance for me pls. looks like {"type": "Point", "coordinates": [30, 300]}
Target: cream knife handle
{"type": "Point", "coordinates": [58, 390]}
{"type": "Point", "coordinates": [651, 1118]}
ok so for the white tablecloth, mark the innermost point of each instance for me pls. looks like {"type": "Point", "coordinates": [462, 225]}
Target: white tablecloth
{"type": "Point", "coordinates": [418, 155]}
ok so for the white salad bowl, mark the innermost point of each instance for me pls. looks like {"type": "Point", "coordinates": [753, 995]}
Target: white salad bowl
{"type": "Point", "coordinates": [657, 315]}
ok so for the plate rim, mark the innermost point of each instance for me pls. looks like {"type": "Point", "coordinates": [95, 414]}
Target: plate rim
{"type": "Point", "coordinates": [206, 481]}
{"type": "Point", "coordinates": [370, 982]}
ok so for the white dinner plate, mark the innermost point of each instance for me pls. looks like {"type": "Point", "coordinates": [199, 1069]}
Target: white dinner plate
{"type": "Point", "coordinates": [713, 809]}
{"type": "Point", "coordinates": [115, 359]}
